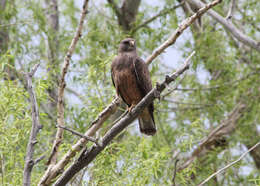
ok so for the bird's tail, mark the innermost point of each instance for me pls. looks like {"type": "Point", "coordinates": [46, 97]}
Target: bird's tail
{"type": "Point", "coordinates": [146, 123]}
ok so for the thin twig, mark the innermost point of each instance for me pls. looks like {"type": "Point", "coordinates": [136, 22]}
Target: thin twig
{"type": "Point", "coordinates": [175, 171]}
{"type": "Point", "coordinates": [36, 126]}
{"type": "Point", "coordinates": [89, 138]}
{"type": "Point", "coordinates": [230, 84]}
{"type": "Point", "coordinates": [62, 84]}
{"type": "Point", "coordinates": [60, 120]}
{"type": "Point", "coordinates": [229, 165]}
{"type": "Point", "coordinates": [187, 103]}
{"type": "Point", "coordinates": [122, 115]}
{"type": "Point", "coordinates": [39, 159]}
{"type": "Point", "coordinates": [174, 88]}
{"type": "Point", "coordinates": [231, 10]}
{"type": "Point", "coordinates": [17, 23]}
{"type": "Point", "coordinates": [34, 69]}
{"type": "Point", "coordinates": [161, 13]}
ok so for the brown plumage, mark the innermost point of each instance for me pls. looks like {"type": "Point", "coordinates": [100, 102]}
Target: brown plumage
{"type": "Point", "coordinates": [131, 78]}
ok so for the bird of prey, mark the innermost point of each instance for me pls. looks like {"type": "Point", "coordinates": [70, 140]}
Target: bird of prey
{"type": "Point", "coordinates": [131, 78]}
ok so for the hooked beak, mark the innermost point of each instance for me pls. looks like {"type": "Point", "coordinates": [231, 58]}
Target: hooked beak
{"type": "Point", "coordinates": [132, 43]}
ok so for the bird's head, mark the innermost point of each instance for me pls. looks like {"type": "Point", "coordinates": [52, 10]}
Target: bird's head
{"type": "Point", "coordinates": [127, 45]}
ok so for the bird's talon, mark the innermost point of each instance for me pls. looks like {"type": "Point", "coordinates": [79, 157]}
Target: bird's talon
{"type": "Point", "coordinates": [130, 109]}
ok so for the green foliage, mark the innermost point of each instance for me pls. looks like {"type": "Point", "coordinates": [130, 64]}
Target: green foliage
{"type": "Point", "coordinates": [137, 160]}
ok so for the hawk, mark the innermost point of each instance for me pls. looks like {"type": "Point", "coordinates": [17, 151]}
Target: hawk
{"type": "Point", "coordinates": [131, 78]}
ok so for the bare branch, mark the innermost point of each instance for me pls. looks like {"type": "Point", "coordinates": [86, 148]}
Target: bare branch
{"type": "Point", "coordinates": [34, 69]}
{"type": "Point", "coordinates": [89, 156]}
{"type": "Point", "coordinates": [226, 127]}
{"type": "Point", "coordinates": [60, 120]}
{"type": "Point", "coordinates": [161, 13]}
{"type": "Point", "coordinates": [36, 126]}
{"type": "Point", "coordinates": [174, 173]}
{"type": "Point", "coordinates": [80, 135]}
{"type": "Point", "coordinates": [231, 10]}
{"type": "Point", "coordinates": [39, 159]}
{"type": "Point", "coordinates": [187, 103]}
{"type": "Point", "coordinates": [62, 84]}
{"type": "Point", "coordinates": [229, 165]}
{"type": "Point", "coordinates": [185, 24]}
{"type": "Point", "coordinates": [230, 27]}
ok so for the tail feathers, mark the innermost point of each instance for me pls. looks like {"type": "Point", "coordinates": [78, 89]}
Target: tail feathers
{"type": "Point", "coordinates": [146, 123]}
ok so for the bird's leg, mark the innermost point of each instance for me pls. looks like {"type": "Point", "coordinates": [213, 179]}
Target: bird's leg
{"type": "Point", "coordinates": [131, 107]}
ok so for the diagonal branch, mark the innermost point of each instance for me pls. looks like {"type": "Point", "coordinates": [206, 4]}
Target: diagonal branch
{"type": "Point", "coordinates": [36, 126]}
{"type": "Point", "coordinates": [54, 171]}
{"type": "Point", "coordinates": [230, 27]}
{"type": "Point", "coordinates": [89, 156]}
{"type": "Point", "coordinates": [161, 13]}
{"type": "Point", "coordinates": [231, 10]}
{"type": "Point", "coordinates": [175, 171]}
{"type": "Point", "coordinates": [79, 134]}
{"type": "Point", "coordinates": [60, 119]}
{"type": "Point", "coordinates": [62, 84]}
{"type": "Point", "coordinates": [185, 24]}
{"type": "Point", "coordinates": [230, 164]}
{"type": "Point", "coordinates": [226, 127]}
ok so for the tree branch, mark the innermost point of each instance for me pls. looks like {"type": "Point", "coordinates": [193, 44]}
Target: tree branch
{"type": "Point", "coordinates": [174, 173]}
{"type": "Point", "coordinates": [36, 126]}
{"type": "Point", "coordinates": [161, 13]}
{"type": "Point", "coordinates": [79, 134]}
{"type": "Point", "coordinates": [226, 127]}
{"type": "Point", "coordinates": [230, 27]}
{"type": "Point", "coordinates": [39, 159]}
{"type": "Point", "coordinates": [89, 156]}
{"type": "Point", "coordinates": [60, 120]}
{"type": "Point", "coordinates": [229, 165]}
{"type": "Point", "coordinates": [185, 24]}
{"type": "Point", "coordinates": [231, 10]}
{"type": "Point", "coordinates": [55, 170]}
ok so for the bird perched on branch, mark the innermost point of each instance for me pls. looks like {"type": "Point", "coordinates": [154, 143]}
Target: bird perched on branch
{"type": "Point", "coordinates": [131, 78]}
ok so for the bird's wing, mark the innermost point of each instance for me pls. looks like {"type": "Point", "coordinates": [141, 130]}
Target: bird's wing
{"type": "Point", "coordinates": [115, 78]}
{"type": "Point", "coordinates": [143, 78]}
{"type": "Point", "coordinates": [112, 77]}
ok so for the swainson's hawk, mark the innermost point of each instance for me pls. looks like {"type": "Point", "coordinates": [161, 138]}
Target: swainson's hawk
{"type": "Point", "coordinates": [131, 78]}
